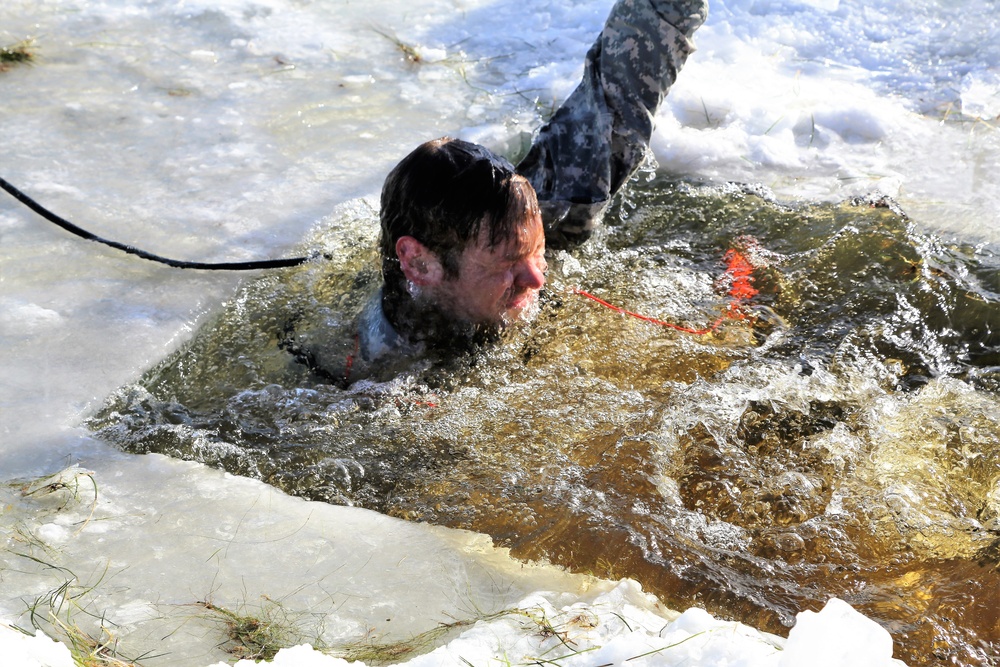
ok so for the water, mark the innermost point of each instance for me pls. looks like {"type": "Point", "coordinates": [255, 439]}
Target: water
{"type": "Point", "coordinates": [842, 445]}
{"type": "Point", "coordinates": [845, 444]}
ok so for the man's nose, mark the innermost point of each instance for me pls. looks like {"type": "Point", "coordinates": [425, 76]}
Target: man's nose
{"type": "Point", "coordinates": [531, 274]}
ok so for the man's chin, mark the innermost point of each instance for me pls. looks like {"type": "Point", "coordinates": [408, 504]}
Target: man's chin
{"type": "Point", "coordinates": [523, 308]}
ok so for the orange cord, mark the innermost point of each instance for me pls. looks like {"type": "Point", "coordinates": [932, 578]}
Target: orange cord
{"type": "Point", "coordinates": [678, 327]}
{"type": "Point", "coordinates": [738, 269]}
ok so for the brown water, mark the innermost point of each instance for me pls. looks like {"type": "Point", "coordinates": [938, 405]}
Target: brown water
{"type": "Point", "coordinates": [845, 442]}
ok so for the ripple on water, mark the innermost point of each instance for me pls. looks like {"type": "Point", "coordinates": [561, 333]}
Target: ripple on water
{"type": "Point", "coordinates": [845, 445]}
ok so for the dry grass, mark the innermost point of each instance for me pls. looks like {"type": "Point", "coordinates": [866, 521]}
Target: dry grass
{"type": "Point", "coordinates": [16, 54]}
{"type": "Point", "coordinates": [257, 634]}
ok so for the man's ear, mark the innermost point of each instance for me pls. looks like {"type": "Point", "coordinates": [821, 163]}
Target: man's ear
{"type": "Point", "coordinates": [420, 265]}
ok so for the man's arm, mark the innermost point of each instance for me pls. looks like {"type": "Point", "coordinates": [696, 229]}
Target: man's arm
{"type": "Point", "coordinates": [600, 135]}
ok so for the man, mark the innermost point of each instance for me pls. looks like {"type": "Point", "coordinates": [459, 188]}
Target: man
{"type": "Point", "coordinates": [591, 146]}
{"type": "Point", "coordinates": [600, 135]}
{"type": "Point", "coordinates": [462, 248]}
{"type": "Point", "coordinates": [463, 256]}
{"type": "Point", "coordinates": [463, 239]}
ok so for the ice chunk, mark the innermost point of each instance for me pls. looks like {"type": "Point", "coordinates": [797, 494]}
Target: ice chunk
{"type": "Point", "coordinates": [28, 651]}
{"type": "Point", "coordinates": [836, 636]}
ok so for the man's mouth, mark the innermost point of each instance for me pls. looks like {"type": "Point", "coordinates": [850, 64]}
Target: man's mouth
{"type": "Point", "coordinates": [519, 304]}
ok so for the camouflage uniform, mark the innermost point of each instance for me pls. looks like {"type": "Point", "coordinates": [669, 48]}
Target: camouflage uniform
{"type": "Point", "coordinates": [600, 135]}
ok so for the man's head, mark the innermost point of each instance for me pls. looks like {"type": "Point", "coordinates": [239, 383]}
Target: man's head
{"type": "Point", "coordinates": [461, 235]}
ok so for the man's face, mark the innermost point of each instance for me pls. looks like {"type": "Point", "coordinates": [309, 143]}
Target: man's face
{"type": "Point", "coordinates": [500, 284]}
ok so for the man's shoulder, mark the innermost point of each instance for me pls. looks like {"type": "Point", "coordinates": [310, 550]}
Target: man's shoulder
{"type": "Point", "coordinates": [376, 335]}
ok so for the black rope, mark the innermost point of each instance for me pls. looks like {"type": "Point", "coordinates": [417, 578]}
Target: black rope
{"type": "Point", "coordinates": [180, 264]}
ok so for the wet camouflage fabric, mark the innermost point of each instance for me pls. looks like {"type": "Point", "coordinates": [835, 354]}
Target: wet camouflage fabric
{"type": "Point", "coordinates": [600, 135]}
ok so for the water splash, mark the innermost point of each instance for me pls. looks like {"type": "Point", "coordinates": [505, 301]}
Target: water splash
{"type": "Point", "coordinates": [756, 471]}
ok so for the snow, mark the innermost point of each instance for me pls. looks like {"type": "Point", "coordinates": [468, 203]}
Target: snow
{"type": "Point", "coordinates": [619, 628]}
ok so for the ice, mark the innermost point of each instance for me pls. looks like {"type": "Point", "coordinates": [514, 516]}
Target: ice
{"type": "Point", "coordinates": [837, 635]}
{"type": "Point", "coordinates": [36, 650]}
{"type": "Point", "coordinates": [618, 628]}
{"type": "Point", "coordinates": [342, 573]}
{"type": "Point", "coordinates": [27, 316]}
{"type": "Point", "coordinates": [223, 537]}
{"type": "Point", "coordinates": [866, 113]}
{"type": "Point", "coordinates": [981, 95]}
{"type": "Point", "coordinates": [226, 129]}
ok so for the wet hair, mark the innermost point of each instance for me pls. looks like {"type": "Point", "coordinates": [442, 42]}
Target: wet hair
{"type": "Point", "coordinates": [442, 194]}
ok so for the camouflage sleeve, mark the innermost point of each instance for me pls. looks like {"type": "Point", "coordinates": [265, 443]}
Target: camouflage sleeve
{"type": "Point", "coordinates": [600, 135]}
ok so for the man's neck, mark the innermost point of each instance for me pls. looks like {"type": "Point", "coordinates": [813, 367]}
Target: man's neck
{"type": "Point", "coordinates": [421, 321]}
